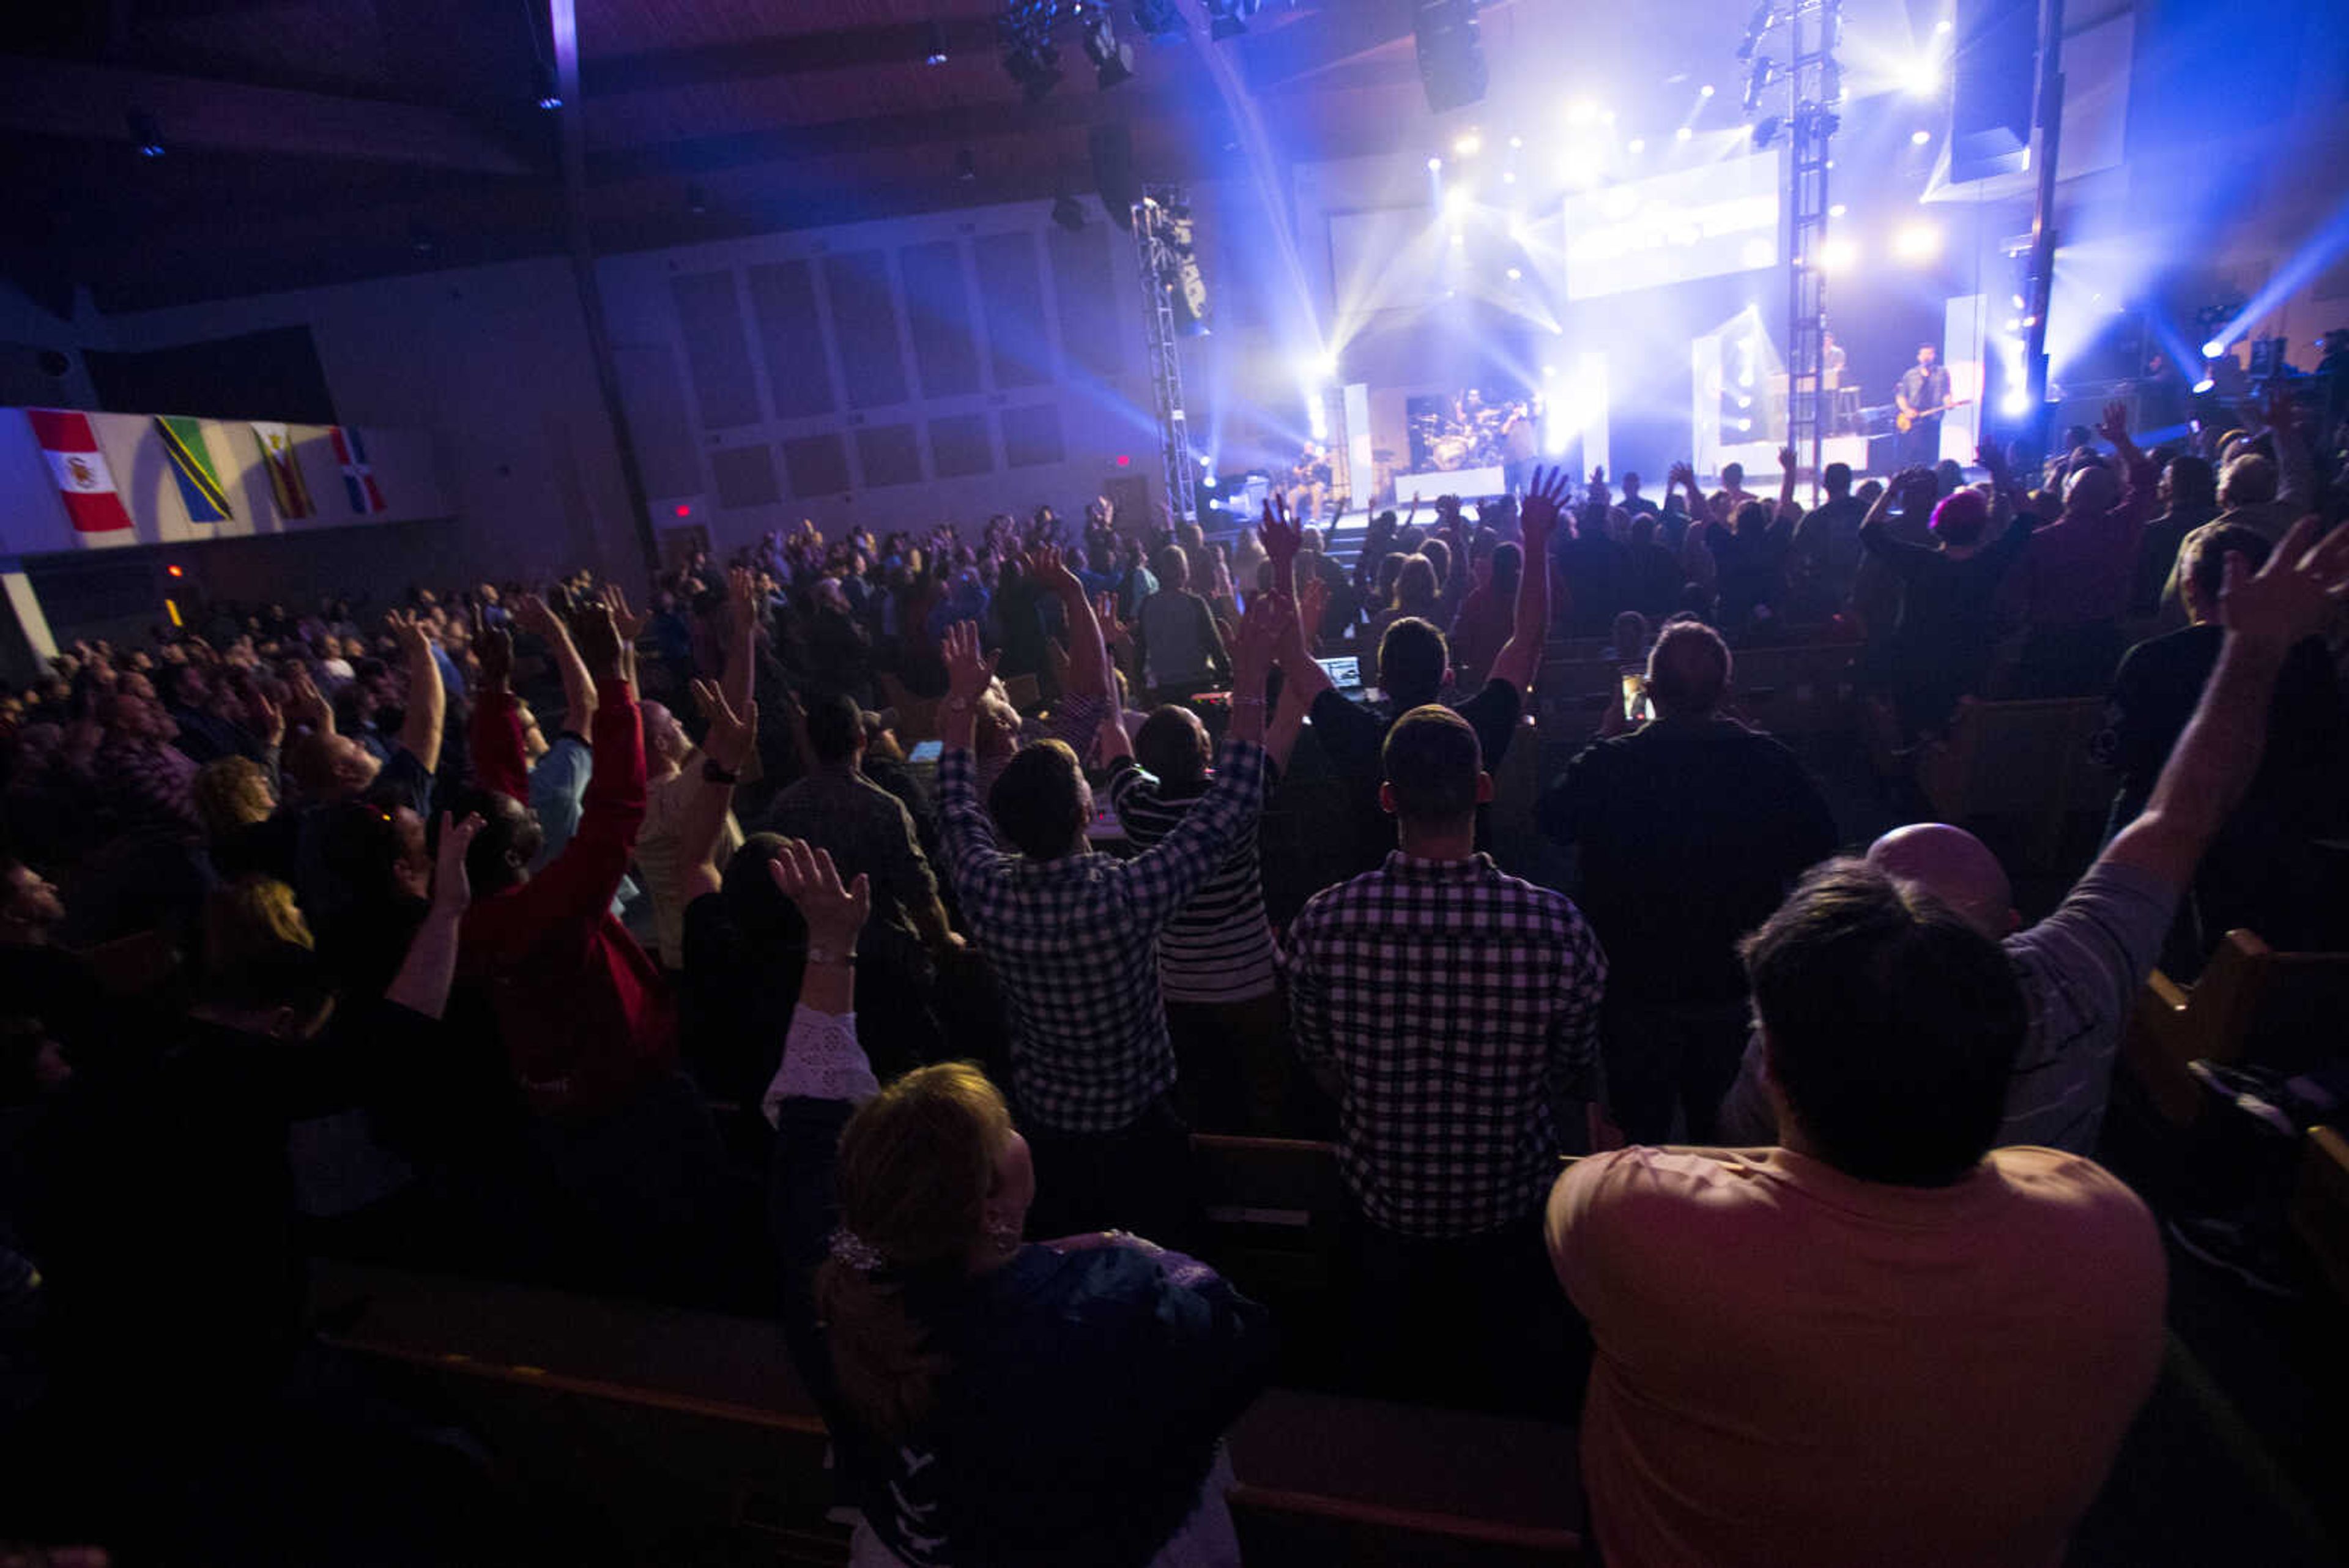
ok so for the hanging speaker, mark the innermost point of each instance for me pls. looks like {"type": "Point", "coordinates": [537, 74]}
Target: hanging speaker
{"type": "Point", "coordinates": [1113, 149]}
{"type": "Point", "coordinates": [1451, 56]}
{"type": "Point", "coordinates": [1992, 77]}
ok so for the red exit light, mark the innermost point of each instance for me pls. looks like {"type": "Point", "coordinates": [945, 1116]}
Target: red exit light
{"type": "Point", "coordinates": [683, 510]}
{"type": "Point", "coordinates": [1123, 460]}
{"type": "Point", "coordinates": [175, 571]}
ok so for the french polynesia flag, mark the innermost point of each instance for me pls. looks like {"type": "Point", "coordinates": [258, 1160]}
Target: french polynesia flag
{"type": "Point", "coordinates": [83, 477]}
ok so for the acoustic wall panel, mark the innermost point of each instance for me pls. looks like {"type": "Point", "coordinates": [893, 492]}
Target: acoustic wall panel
{"type": "Point", "coordinates": [938, 315]}
{"type": "Point", "coordinates": [709, 315]}
{"type": "Point", "coordinates": [1019, 347]}
{"type": "Point", "coordinates": [960, 444]}
{"type": "Point", "coordinates": [888, 454]}
{"type": "Point", "coordinates": [744, 476]}
{"type": "Point", "coordinates": [1032, 436]}
{"type": "Point", "coordinates": [818, 464]}
{"type": "Point", "coordinates": [864, 327]}
{"type": "Point", "coordinates": [1093, 330]}
{"type": "Point", "coordinates": [791, 337]}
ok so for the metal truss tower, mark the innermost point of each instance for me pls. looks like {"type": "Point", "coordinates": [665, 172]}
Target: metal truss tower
{"type": "Point", "coordinates": [1814, 92]}
{"type": "Point", "coordinates": [1154, 250]}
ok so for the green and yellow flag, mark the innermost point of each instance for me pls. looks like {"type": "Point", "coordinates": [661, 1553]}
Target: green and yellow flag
{"type": "Point", "coordinates": [192, 465]}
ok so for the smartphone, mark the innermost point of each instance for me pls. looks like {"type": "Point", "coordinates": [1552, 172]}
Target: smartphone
{"type": "Point", "coordinates": [927, 751]}
{"type": "Point", "coordinates": [1635, 694]}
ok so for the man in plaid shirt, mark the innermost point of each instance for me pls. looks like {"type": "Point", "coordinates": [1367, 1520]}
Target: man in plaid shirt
{"type": "Point", "coordinates": [1454, 1007]}
{"type": "Point", "coordinates": [1073, 936]}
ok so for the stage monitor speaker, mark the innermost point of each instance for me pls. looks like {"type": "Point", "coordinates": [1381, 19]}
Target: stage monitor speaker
{"type": "Point", "coordinates": [1451, 56]}
{"type": "Point", "coordinates": [1112, 151]}
{"type": "Point", "coordinates": [1993, 75]}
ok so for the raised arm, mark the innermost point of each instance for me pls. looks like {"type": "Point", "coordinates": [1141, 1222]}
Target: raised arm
{"type": "Point", "coordinates": [1520, 657]}
{"type": "Point", "coordinates": [533, 615]}
{"type": "Point", "coordinates": [2295, 470]}
{"type": "Point", "coordinates": [742, 638]}
{"type": "Point", "coordinates": [583, 878]}
{"type": "Point", "coordinates": [427, 704]}
{"type": "Point", "coordinates": [1786, 482]}
{"type": "Point", "coordinates": [733, 741]}
{"type": "Point", "coordinates": [422, 984]}
{"type": "Point", "coordinates": [496, 728]}
{"type": "Point", "coordinates": [964, 833]}
{"type": "Point", "coordinates": [1089, 667]}
{"type": "Point", "coordinates": [2293, 598]}
{"type": "Point", "coordinates": [1282, 538]}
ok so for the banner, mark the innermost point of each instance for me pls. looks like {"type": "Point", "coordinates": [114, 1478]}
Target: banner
{"type": "Point", "coordinates": [358, 478]}
{"type": "Point", "coordinates": [82, 475]}
{"type": "Point", "coordinates": [285, 483]}
{"type": "Point", "coordinates": [192, 465]}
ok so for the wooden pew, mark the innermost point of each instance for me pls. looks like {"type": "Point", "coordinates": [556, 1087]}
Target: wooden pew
{"type": "Point", "coordinates": [1273, 1208]}
{"type": "Point", "coordinates": [2319, 1206]}
{"type": "Point", "coordinates": [2018, 759]}
{"type": "Point", "coordinates": [2252, 1004]}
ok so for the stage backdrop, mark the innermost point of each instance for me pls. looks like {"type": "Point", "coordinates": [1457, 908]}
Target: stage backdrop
{"type": "Point", "coordinates": [183, 481]}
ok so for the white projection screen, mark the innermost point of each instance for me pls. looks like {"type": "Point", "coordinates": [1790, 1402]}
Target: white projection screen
{"type": "Point", "coordinates": [1693, 222]}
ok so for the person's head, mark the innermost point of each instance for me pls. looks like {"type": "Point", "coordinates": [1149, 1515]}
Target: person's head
{"type": "Point", "coordinates": [510, 839]}
{"type": "Point", "coordinates": [233, 793]}
{"type": "Point", "coordinates": [1041, 801]}
{"type": "Point", "coordinates": [1507, 569]}
{"type": "Point", "coordinates": [1629, 636]}
{"type": "Point", "coordinates": [1927, 354]}
{"type": "Point", "coordinates": [330, 766]}
{"type": "Point", "coordinates": [1750, 519]}
{"type": "Point", "coordinates": [936, 1181]}
{"type": "Point", "coordinates": [835, 730]}
{"type": "Point", "coordinates": [1642, 530]}
{"type": "Point", "coordinates": [2248, 481]}
{"type": "Point", "coordinates": [1415, 586]}
{"type": "Point", "coordinates": [1732, 475]}
{"type": "Point", "coordinates": [2203, 566]}
{"type": "Point", "coordinates": [1172, 568]}
{"type": "Point", "coordinates": [2091, 491]}
{"type": "Point", "coordinates": [1948, 475]}
{"type": "Point", "coordinates": [261, 970]}
{"type": "Point", "coordinates": [666, 741]}
{"type": "Point", "coordinates": [1412, 661]}
{"type": "Point", "coordinates": [1869, 491]}
{"type": "Point", "coordinates": [2190, 482]}
{"type": "Point", "coordinates": [1959, 518]}
{"type": "Point", "coordinates": [30, 907]}
{"type": "Point", "coordinates": [1438, 555]}
{"type": "Point", "coordinates": [1837, 480]}
{"type": "Point", "coordinates": [1688, 671]}
{"type": "Point", "coordinates": [1889, 1026]}
{"type": "Point", "coordinates": [1955, 867]}
{"type": "Point", "coordinates": [1435, 774]}
{"type": "Point", "coordinates": [1172, 744]}
{"type": "Point", "coordinates": [1631, 486]}
{"type": "Point", "coordinates": [186, 685]}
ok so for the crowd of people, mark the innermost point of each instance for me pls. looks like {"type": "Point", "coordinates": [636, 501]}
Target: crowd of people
{"type": "Point", "coordinates": [465, 933]}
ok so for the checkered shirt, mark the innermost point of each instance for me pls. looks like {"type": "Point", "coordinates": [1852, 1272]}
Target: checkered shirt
{"type": "Point", "coordinates": [1456, 1004]}
{"type": "Point", "coordinates": [1074, 942]}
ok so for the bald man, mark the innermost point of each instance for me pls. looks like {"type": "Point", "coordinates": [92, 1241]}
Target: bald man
{"type": "Point", "coordinates": [2081, 968]}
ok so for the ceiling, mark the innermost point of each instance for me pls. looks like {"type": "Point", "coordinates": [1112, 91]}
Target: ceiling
{"type": "Point", "coordinates": [313, 141]}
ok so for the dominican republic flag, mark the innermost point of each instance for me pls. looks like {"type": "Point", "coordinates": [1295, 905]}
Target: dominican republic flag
{"type": "Point", "coordinates": [286, 485]}
{"type": "Point", "coordinates": [192, 465]}
{"type": "Point", "coordinates": [71, 447]}
{"type": "Point", "coordinates": [358, 479]}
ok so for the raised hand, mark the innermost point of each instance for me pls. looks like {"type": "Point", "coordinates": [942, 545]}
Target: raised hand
{"type": "Point", "coordinates": [1280, 534]}
{"type": "Point", "coordinates": [2296, 595]}
{"type": "Point", "coordinates": [306, 701]}
{"type": "Point", "coordinates": [1312, 604]}
{"type": "Point", "coordinates": [732, 736]}
{"type": "Point", "coordinates": [272, 720]}
{"type": "Point", "coordinates": [2114, 426]}
{"type": "Point", "coordinates": [533, 615]}
{"type": "Point", "coordinates": [1992, 459]}
{"type": "Point", "coordinates": [1538, 516]}
{"type": "Point", "coordinates": [742, 600]}
{"type": "Point", "coordinates": [628, 622]}
{"type": "Point", "coordinates": [1786, 459]}
{"type": "Point", "coordinates": [452, 890]}
{"type": "Point", "coordinates": [493, 645]}
{"type": "Point", "coordinates": [408, 631]}
{"type": "Point", "coordinates": [970, 671]}
{"type": "Point", "coordinates": [835, 914]}
{"type": "Point", "coordinates": [1268, 624]}
{"type": "Point", "coordinates": [1049, 568]}
{"type": "Point", "coordinates": [598, 637]}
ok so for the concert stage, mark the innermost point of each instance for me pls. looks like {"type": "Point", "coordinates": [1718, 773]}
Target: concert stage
{"type": "Point", "coordinates": [1468, 484]}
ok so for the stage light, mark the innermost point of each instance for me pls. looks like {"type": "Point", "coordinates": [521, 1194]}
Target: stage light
{"type": "Point", "coordinates": [1517, 142]}
{"type": "Point", "coordinates": [1923, 79]}
{"type": "Point", "coordinates": [2014, 323]}
{"type": "Point", "coordinates": [1917, 242]}
{"type": "Point", "coordinates": [1637, 144]}
{"type": "Point", "coordinates": [1515, 274]}
{"type": "Point", "coordinates": [1945, 25]}
{"type": "Point", "coordinates": [1318, 370]}
{"type": "Point", "coordinates": [2204, 385]}
{"type": "Point", "coordinates": [549, 91]}
{"type": "Point", "coordinates": [1549, 372]}
{"type": "Point", "coordinates": [1919, 138]}
{"type": "Point", "coordinates": [1207, 463]}
{"type": "Point", "coordinates": [1435, 166]}
{"type": "Point", "coordinates": [2015, 404]}
{"type": "Point", "coordinates": [2213, 349]}
{"type": "Point", "coordinates": [2020, 303]}
{"type": "Point", "coordinates": [1509, 177]}
{"type": "Point", "coordinates": [1741, 426]}
{"type": "Point", "coordinates": [1581, 111]}
{"type": "Point", "coordinates": [934, 50]}
{"type": "Point", "coordinates": [1456, 202]}
{"type": "Point", "coordinates": [1683, 133]}
{"type": "Point", "coordinates": [176, 571]}
{"type": "Point", "coordinates": [1837, 255]}
{"type": "Point", "coordinates": [1458, 238]}
{"type": "Point", "coordinates": [1838, 211]}
{"type": "Point", "coordinates": [145, 134]}
{"type": "Point", "coordinates": [1580, 168]}
{"type": "Point", "coordinates": [1467, 144]}
{"type": "Point", "coordinates": [1207, 480]}
{"type": "Point", "coordinates": [1705, 92]}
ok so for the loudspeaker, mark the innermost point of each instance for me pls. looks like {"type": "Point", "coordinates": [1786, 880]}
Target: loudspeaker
{"type": "Point", "coordinates": [1450, 57]}
{"type": "Point", "coordinates": [1113, 149]}
{"type": "Point", "coordinates": [1993, 75]}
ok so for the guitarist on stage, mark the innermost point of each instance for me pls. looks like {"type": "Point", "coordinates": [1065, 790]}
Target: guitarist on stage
{"type": "Point", "coordinates": [1924, 396]}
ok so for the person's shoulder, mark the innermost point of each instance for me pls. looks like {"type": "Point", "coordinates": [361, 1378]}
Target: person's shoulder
{"type": "Point", "coordinates": [2075, 1203]}
{"type": "Point", "coordinates": [1642, 1191]}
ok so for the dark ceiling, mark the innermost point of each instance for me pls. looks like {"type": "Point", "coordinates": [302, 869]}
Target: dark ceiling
{"type": "Point", "coordinates": [315, 141]}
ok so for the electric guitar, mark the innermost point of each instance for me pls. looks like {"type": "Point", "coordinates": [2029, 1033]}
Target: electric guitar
{"type": "Point", "coordinates": [1908, 417]}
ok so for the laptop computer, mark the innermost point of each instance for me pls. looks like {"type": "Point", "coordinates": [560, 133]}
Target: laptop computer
{"type": "Point", "coordinates": [1345, 673]}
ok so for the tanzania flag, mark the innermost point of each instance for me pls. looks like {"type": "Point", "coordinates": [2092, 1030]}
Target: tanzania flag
{"type": "Point", "coordinates": [192, 465]}
{"type": "Point", "coordinates": [286, 483]}
{"type": "Point", "coordinates": [81, 470]}
{"type": "Point", "coordinates": [358, 478]}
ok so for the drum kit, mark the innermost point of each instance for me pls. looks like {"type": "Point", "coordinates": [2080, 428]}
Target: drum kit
{"type": "Point", "coordinates": [1466, 434]}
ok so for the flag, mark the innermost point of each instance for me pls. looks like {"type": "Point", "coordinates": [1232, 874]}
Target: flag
{"type": "Point", "coordinates": [358, 479]}
{"type": "Point", "coordinates": [71, 447]}
{"type": "Point", "coordinates": [192, 465]}
{"type": "Point", "coordinates": [286, 483]}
